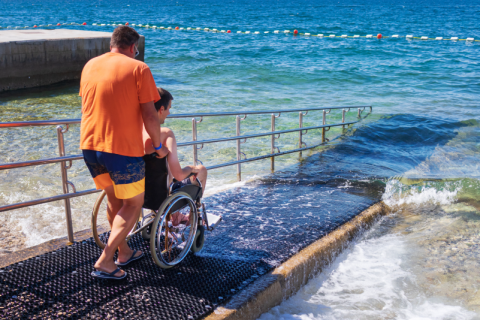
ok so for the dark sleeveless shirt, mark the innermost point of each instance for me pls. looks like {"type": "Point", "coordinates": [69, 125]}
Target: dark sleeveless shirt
{"type": "Point", "coordinates": [156, 181]}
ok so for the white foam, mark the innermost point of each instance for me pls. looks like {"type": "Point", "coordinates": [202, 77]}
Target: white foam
{"type": "Point", "coordinates": [397, 194]}
{"type": "Point", "coordinates": [369, 281]}
{"type": "Point", "coordinates": [38, 223]}
{"type": "Point", "coordinates": [216, 185]}
{"type": "Point", "coordinates": [46, 221]}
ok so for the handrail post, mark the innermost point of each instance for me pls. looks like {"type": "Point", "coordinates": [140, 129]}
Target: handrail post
{"type": "Point", "coordinates": [343, 118]}
{"type": "Point", "coordinates": [194, 138]}
{"type": "Point", "coordinates": [63, 170]}
{"type": "Point", "coordinates": [272, 163]}
{"type": "Point", "coordinates": [300, 133]}
{"type": "Point", "coordinates": [239, 167]}
{"type": "Point", "coordinates": [359, 112]}
{"type": "Point", "coordinates": [324, 122]}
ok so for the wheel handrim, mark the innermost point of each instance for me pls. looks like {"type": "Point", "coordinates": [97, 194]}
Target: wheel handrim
{"type": "Point", "coordinates": [100, 232]}
{"type": "Point", "coordinates": [174, 242]}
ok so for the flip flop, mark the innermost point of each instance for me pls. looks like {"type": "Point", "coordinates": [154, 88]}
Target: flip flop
{"type": "Point", "coordinates": [105, 275]}
{"type": "Point", "coordinates": [132, 258]}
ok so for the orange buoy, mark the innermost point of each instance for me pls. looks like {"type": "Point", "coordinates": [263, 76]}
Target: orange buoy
{"type": "Point", "coordinates": [126, 23]}
{"type": "Point", "coordinates": [229, 31]}
{"type": "Point", "coordinates": [58, 24]}
{"type": "Point", "coordinates": [84, 23]}
{"type": "Point", "coordinates": [295, 32]}
{"type": "Point", "coordinates": [176, 28]}
{"type": "Point", "coordinates": [379, 36]}
{"type": "Point", "coordinates": [35, 26]}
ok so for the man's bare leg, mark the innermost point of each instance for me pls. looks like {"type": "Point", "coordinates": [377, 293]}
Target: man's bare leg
{"type": "Point", "coordinates": [122, 223]}
{"type": "Point", "coordinates": [113, 206]}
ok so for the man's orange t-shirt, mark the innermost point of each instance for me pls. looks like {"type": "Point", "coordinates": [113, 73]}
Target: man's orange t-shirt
{"type": "Point", "coordinates": [112, 87]}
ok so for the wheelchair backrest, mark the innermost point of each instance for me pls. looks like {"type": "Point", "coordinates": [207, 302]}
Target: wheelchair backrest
{"type": "Point", "coordinates": [156, 184]}
{"type": "Point", "coordinates": [156, 181]}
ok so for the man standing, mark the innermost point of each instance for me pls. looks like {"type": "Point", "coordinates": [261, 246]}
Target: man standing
{"type": "Point", "coordinates": [118, 95]}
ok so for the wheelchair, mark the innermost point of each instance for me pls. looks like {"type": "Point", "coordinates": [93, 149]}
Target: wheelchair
{"type": "Point", "coordinates": [169, 243]}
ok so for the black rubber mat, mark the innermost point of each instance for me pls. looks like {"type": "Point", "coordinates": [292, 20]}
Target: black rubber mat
{"type": "Point", "coordinates": [59, 285]}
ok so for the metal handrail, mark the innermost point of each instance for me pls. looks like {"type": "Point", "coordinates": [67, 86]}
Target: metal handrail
{"type": "Point", "coordinates": [256, 135]}
{"type": "Point", "coordinates": [271, 155]}
{"type": "Point", "coordinates": [216, 114]}
{"type": "Point", "coordinates": [37, 123]}
{"type": "Point", "coordinates": [15, 165]}
{"type": "Point", "coordinates": [182, 144]}
{"type": "Point", "coordinates": [48, 199]}
{"type": "Point", "coordinates": [275, 151]}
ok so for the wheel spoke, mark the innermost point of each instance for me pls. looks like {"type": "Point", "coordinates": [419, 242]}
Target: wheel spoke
{"type": "Point", "coordinates": [172, 243]}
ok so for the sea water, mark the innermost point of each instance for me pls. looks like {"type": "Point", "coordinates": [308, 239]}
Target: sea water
{"type": "Point", "coordinates": [421, 144]}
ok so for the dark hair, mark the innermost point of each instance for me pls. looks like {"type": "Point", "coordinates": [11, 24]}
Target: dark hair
{"type": "Point", "coordinates": [123, 37]}
{"type": "Point", "coordinates": [165, 98]}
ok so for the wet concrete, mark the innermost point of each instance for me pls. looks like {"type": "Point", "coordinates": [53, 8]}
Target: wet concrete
{"type": "Point", "coordinates": [270, 220]}
{"type": "Point", "coordinates": [285, 280]}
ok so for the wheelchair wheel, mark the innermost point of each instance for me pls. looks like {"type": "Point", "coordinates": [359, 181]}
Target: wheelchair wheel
{"type": "Point", "coordinates": [199, 241]}
{"type": "Point", "coordinates": [170, 244]}
{"type": "Point", "coordinates": [100, 225]}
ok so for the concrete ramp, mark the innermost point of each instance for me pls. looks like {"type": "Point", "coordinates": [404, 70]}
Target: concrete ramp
{"type": "Point", "coordinates": [266, 223]}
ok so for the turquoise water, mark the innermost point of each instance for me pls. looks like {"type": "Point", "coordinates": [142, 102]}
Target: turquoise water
{"type": "Point", "coordinates": [216, 72]}
{"type": "Point", "coordinates": [421, 143]}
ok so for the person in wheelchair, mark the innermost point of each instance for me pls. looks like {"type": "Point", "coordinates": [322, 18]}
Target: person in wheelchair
{"type": "Point", "coordinates": [159, 170]}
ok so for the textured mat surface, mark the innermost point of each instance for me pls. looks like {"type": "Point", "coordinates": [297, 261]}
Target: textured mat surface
{"type": "Point", "coordinates": [59, 284]}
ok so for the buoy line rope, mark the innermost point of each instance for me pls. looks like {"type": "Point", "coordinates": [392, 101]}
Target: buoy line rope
{"type": "Point", "coordinates": [287, 32]}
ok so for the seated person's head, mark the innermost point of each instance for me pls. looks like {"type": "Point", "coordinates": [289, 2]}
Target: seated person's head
{"type": "Point", "coordinates": [163, 105]}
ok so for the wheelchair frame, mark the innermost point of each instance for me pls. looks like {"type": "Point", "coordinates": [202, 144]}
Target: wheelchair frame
{"type": "Point", "coordinates": [148, 224]}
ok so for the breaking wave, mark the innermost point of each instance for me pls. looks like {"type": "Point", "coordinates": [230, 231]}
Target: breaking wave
{"type": "Point", "coordinates": [428, 192]}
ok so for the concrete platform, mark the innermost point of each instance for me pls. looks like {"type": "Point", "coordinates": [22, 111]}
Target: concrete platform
{"type": "Point", "coordinates": [32, 58]}
{"type": "Point", "coordinates": [56, 284]}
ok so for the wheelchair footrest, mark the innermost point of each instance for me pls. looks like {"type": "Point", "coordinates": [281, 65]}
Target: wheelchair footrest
{"type": "Point", "coordinates": [213, 220]}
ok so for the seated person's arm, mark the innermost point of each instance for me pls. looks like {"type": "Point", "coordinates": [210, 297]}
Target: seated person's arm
{"type": "Point", "coordinates": [173, 163]}
{"type": "Point", "coordinates": [152, 128]}
{"type": "Point", "coordinates": [148, 145]}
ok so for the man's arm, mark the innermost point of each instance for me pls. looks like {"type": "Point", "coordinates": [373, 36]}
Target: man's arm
{"type": "Point", "coordinates": [152, 125]}
{"type": "Point", "coordinates": [177, 171]}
